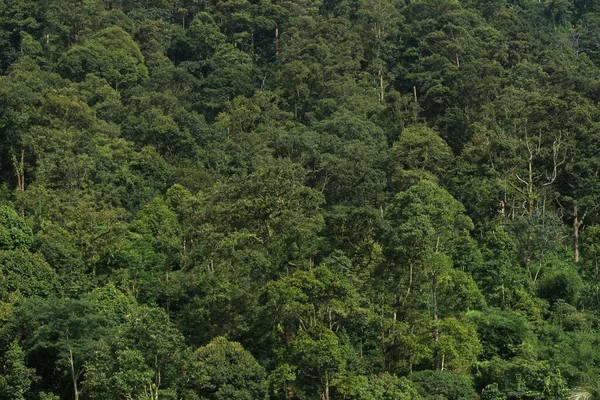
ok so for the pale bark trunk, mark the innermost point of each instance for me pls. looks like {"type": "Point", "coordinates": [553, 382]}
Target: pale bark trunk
{"type": "Point", "coordinates": [326, 392]}
{"type": "Point", "coordinates": [410, 281]}
{"type": "Point", "coordinates": [73, 375]}
{"type": "Point", "coordinates": [576, 226]}
{"type": "Point", "coordinates": [381, 86]}
{"type": "Point", "coordinates": [436, 330]}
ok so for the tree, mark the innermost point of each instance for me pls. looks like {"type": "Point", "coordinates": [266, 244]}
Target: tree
{"type": "Point", "coordinates": [15, 377]}
{"type": "Point", "coordinates": [443, 385]}
{"type": "Point", "coordinates": [419, 148]}
{"type": "Point", "coordinates": [428, 225]}
{"type": "Point", "coordinates": [319, 358]}
{"type": "Point", "coordinates": [559, 281]}
{"type": "Point", "coordinates": [205, 35]}
{"type": "Point", "coordinates": [28, 274]}
{"type": "Point", "coordinates": [377, 387]}
{"type": "Point", "coordinates": [146, 358]}
{"type": "Point", "coordinates": [523, 377]}
{"type": "Point", "coordinates": [70, 20]}
{"type": "Point", "coordinates": [230, 75]}
{"type": "Point", "coordinates": [14, 231]}
{"type": "Point", "coordinates": [111, 54]}
{"type": "Point", "coordinates": [502, 332]}
{"type": "Point", "coordinates": [59, 335]}
{"type": "Point", "coordinates": [225, 370]}
{"type": "Point", "coordinates": [270, 209]}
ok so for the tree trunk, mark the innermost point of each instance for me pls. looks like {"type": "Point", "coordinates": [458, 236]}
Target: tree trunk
{"type": "Point", "coordinates": [20, 171]}
{"type": "Point", "coordinates": [381, 86]}
{"type": "Point", "coordinates": [576, 226]}
{"type": "Point", "coordinates": [436, 330]}
{"type": "Point", "coordinates": [530, 200]}
{"type": "Point", "coordinates": [73, 375]}
{"type": "Point", "coordinates": [383, 363]}
{"type": "Point", "coordinates": [296, 110]}
{"type": "Point", "coordinates": [410, 281]}
{"type": "Point", "coordinates": [529, 250]}
{"type": "Point", "coordinates": [326, 391]}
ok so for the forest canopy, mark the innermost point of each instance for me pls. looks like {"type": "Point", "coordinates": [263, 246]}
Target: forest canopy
{"type": "Point", "coordinates": [299, 199]}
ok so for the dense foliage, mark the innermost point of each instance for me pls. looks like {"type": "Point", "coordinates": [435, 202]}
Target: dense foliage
{"type": "Point", "coordinates": [299, 199]}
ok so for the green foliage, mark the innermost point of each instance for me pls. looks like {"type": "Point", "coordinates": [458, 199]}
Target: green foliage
{"type": "Point", "coordinates": [560, 281]}
{"type": "Point", "coordinates": [370, 200]}
{"type": "Point", "coordinates": [502, 332]}
{"type": "Point", "coordinates": [443, 385]}
{"type": "Point", "coordinates": [110, 54]}
{"type": "Point", "coordinates": [15, 233]}
{"type": "Point", "coordinates": [458, 345]}
{"type": "Point", "coordinates": [377, 387]}
{"type": "Point", "coordinates": [420, 148]}
{"type": "Point", "coordinates": [16, 378]}
{"type": "Point", "coordinates": [319, 358]}
{"type": "Point", "coordinates": [58, 335]}
{"type": "Point", "coordinates": [524, 378]}
{"type": "Point", "coordinates": [227, 371]}
{"type": "Point", "coordinates": [145, 357]}
{"type": "Point", "coordinates": [28, 274]}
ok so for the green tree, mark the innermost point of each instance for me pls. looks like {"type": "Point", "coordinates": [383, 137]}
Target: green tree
{"type": "Point", "coordinates": [443, 385]}
{"type": "Point", "coordinates": [15, 377]}
{"type": "Point", "coordinates": [14, 231]}
{"type": "Point", "coordinates": [319, 358]}
{"type": "Point", "coordinates": [59, 335]}
{"type": "Point", "coordinates": [419, 148]}
{"type": "Point", "coordinates": [374, 387]}
{"type": "Point", "coordinates": [145, 358]}
{"type": "Point", "coordinates": [28, 274]}
{"type": "Point", "coordinates": [111, 54]}
{"type": "Point", "coordinates": [231, 75]}
{"type": "Point", "coordinates": [227, 371]}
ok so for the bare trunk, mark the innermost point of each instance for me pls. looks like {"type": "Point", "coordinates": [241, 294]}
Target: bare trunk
{"type": "Point", "coordinates": [529, 251]}
{"type": "Point", "coordinates": [530, 183]}
{"type": "Point", "coordinates": [436, 330]}
{"type": "Point", "coordinates": [394, 329]}
{"type": "Point", "coordinates": [296, 103]}
{"type": "Point", "coordinates": [383, 363]}
{"type": "Point", "coordinates": [20, 171]}
{"type": "Point", "coordinates": [381, 86]}
{"type": "Point", "coordinates": [157, 379]}
{"type": "Point", "coordinates": [326, 391]}
{"type": "Point", "coordinates": [410, 281]}
{"type": "Point", "coordinates": [73, 375]}
{"type": "Point", "coordinates": [530, 201]}
{"type": "Point", "coordinates": [576, 226]}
